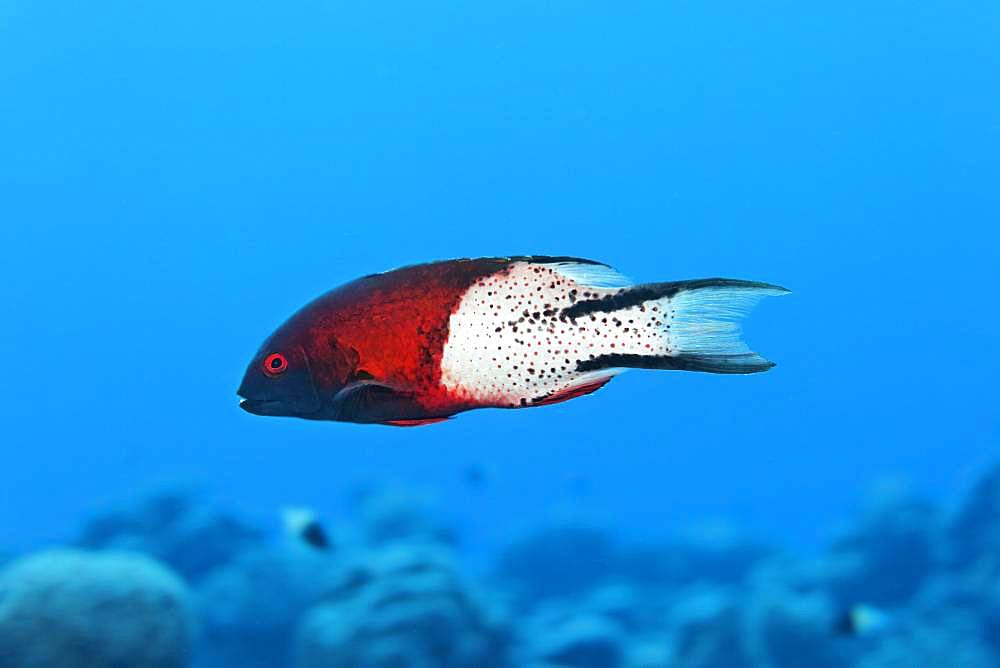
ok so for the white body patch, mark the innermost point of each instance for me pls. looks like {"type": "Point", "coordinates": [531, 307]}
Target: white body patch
{"type": "Point", "coordinates": [508, 346]}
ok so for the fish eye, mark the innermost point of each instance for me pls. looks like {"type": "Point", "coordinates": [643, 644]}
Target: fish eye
{"type": "Point", "coordinates": [274, 364]}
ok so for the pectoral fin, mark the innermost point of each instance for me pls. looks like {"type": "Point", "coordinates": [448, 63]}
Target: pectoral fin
{"type": "Point", "coordinates": [371, 401]}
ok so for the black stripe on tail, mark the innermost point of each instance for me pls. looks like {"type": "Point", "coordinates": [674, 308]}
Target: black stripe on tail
{"type": "Point", "coordinates": [628, 297]}
{"type": "Point", "coordinates": [739, 363]}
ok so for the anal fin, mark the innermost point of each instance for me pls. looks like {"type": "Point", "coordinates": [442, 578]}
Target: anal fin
{"type": "Point", "coordinates": [414, 423]}
{"type": "Point", "coordinates": [572, 392]}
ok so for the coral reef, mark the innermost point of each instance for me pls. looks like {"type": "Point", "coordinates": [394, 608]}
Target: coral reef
{"type": "Point", "coordinates": [395, 516]}
{"type": "Point", "coordinates": [566, 560]}
{"type": "Point", "coordinates": [783, 627]}
{"type": "Point", "coordinates": [975, 530]}
{"type": "Point", "coordinates": [413, 609]}
{"type": "Point", "coordinates": [902, 537]}
{"type": "Point", "coordinates": [558, 561]}
{"type": "Point", "coordinates": [587, 641]}
{"type": "Point", "coordinates": [393, 591]}
{"type": "Point", "coordinates": [250, 608]}
{"type": "Point", "coordinates": [93, 610]}
{"type": "Point", "coordinates": [392, 596]}
{"type": "Point", "coordinates": [176, 528]}
{"type": "Point", "coordinates": [955, 640]}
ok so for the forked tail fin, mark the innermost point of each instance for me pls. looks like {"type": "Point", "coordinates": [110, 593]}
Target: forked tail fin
{"type": "Point", "coordinates": [697, 322]}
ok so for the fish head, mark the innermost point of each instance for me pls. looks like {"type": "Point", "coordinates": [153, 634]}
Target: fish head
{"type": "Point", "coordinates": [279, 380]}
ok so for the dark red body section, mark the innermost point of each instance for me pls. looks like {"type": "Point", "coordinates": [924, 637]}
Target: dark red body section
{"type": "Point", "coordinates": [388, 329]}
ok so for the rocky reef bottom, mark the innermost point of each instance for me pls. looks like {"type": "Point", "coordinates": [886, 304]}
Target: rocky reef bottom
{"type": "Point", "coordinates": [170, 582]}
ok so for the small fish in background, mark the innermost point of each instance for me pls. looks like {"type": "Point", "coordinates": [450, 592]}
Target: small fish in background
{"type": "Point", "coordinates": [474, 476]}
{"type": "Point", "coordinates": [302, 524]}
{"type": "Point", "coordinates": [419, 344]}
{"type": "Point", "coordinates": [861, 621]}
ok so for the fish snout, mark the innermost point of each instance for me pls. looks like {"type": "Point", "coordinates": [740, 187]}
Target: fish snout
{"type": "Point", "coordinates": [261, 406]}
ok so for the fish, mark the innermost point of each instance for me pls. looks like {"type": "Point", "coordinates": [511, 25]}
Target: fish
{"type": "Point", "coordinates": [420, 344]}
{"type": "Point", "coordinates": [862, 620]}
{"type": "Point", "coordinates": [474, 476]}
{"type": "Point", "coordinates": [302, 524]}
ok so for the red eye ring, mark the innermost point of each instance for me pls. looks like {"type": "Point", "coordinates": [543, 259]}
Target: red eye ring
{"type": "Point", "coordinates": [274, 364]}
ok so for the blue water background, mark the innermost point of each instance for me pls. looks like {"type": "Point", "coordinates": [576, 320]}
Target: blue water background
{"type": "Point", "coordinates": [177, 178]}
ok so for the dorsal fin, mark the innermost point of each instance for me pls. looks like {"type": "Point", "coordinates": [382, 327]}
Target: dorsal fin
{"type": "Point", "coordinates": [591, 274]}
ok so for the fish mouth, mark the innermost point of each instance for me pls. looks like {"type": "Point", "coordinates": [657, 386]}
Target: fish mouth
{"type": "Point", "coordinates": [261, 406]}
